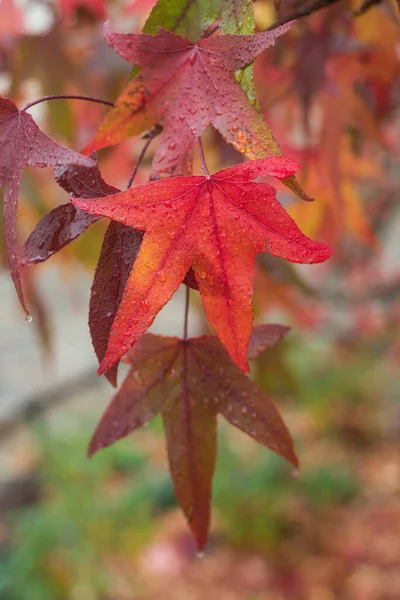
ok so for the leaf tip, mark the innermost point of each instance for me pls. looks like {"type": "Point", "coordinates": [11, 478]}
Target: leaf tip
{"type": "Point", "coordinates": [93, 447]}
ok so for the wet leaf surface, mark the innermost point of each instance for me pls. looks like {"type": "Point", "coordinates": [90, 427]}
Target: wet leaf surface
{"type": "Point", "coordinates": [216, 225]}
{"type": "Point", "coordinates": [189, 382]}
{"type": "Point", "coordinates": [24, 144]}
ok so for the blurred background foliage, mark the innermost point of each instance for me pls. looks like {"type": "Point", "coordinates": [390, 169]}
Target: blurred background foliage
{"type": "Point", "coordinates": [109, 528]}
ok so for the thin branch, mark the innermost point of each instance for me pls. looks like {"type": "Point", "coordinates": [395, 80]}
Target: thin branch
{"type": "Point", "coordinates": [150, 137]}
{"type": "Point", "coordinates": [67, 97]}
{"type": "Point", "coordinates": [186, 318]}
{"type": "Point", "coordinates": [303, 11]}
{"type": "Point", "coordinates": [202, 158]}
{"type": "Point", "coordinates": [365, 6]}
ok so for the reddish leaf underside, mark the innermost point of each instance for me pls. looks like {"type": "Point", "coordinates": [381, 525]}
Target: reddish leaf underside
{"type": "Point", "coordinates": [216, 225]}
{"type": "Point", "coordinates": [189, 383]}
{"type": "Point", "coordinates": [120, 248]}
{"type": "Point", "coordinates": [188, 86]}
{"type": "Point", "coordinates": [65, 223]}
{"type": "Point", "coordinates": [23, 144]}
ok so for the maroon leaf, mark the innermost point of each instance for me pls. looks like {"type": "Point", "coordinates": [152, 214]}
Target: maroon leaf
{"type": "Point", "coordinates": [23, 144]}
{"type": "Point", "coordinates": [120, 247]}
{"type": "Point", "coordinates": [85, 182]}
{"type": "Point", "coordinates": [65, 223]}
{"type": "Point", "coordinates": [188, 382]}
{"type": "Point", "coordinates": [55, 230]}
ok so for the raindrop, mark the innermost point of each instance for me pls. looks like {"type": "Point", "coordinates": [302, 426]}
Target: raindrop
{"type": "Point", "coordinates": [145, 306]}
{"type": "Point", "coordinates": [172, 146]}
{"type": "Point", "coordinates": [28, 318]}
{"type": "Point", "coordinates": [200, 555]}
{"type": "Point", "coordinates": [296, 473]}
{"type": "Point", "coordinates": [161, 275]}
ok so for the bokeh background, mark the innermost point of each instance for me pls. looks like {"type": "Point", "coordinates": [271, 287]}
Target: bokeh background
{"type": "Point", "coordinates": [109, 528]}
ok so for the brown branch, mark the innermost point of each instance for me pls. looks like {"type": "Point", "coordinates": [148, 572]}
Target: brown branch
{"type": "Point", "coordinates": [365, 6]}
{"type": "Point", "coordinates": [67, 97]}
{"type": "Point", "coordinates": [303, 11]}
{"type": "Point", "coordinates": [149, 137]}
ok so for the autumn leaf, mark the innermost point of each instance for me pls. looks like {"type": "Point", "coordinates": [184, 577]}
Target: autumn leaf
{"type": "Point", "coordinates": [188, 86]}
{"type": "Point", "coordinates": [23, 144]}
{"type": "Point", "coordinates": [120, 248]}
{"type": "Point", "coordinates": [66, 222]}
{"type": "Point", "coordinates": [189, 382]}
{"type": "Point", "coordinates": [214, 224]}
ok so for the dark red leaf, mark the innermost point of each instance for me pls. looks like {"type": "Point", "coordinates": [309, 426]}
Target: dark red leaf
{"type": "Point", "coordinates": [65, 223]}
{"type": "Point", "coordinates": [55, 230]}
{"type": "Point", "coordinates": [216, 225]}
{"type": "Point", "coordinates": [120, 247]}
{"type": "Point", "coordinates": [83, 182]}
{"type": "Point", "coordinates": [189, 382]}
{"type": "Point", "coordinates": [23, 144]}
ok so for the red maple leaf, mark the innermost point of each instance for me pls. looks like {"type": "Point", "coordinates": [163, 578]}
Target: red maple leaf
{"type": "Point", "coordinates": [216, 225]}
{"type": "Point", "coordinates": [189, 382]}
{"type": "Point", "coordinates": [121, 244]}
{"type": "Point", "coordinates": [188, 86]}
{"type": "Point", "coordinates": [23, 144]}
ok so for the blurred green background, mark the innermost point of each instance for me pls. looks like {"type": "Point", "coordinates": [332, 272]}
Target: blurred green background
{"type": "Point", "coordinates": [108, 528]}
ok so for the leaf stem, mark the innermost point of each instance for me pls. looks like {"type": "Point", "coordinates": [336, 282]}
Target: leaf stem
{"type": "Point", "coordinates": [186, 320]}
{"type": "Point", "coordinates": [202, 158]}
{"type": "Point", "coordinates": [67, 97]}
{"type": "Point", "coordinates": [150, 135]}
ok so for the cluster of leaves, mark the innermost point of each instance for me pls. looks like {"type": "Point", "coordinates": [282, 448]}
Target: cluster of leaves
{"type": "Point", "coordinates": [193, 67]}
